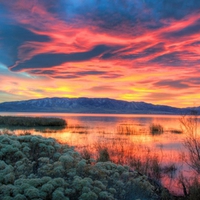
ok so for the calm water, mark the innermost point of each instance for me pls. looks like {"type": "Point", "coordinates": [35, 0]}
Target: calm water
{"type": "Point", "coordinates": [127, 137]}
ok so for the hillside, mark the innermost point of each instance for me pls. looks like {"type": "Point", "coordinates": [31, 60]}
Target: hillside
{"type": "Point", "coordinates": [89, 105]}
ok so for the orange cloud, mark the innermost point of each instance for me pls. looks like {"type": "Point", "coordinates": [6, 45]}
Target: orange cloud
{"type": "Point", "coordinates": [53, 52]}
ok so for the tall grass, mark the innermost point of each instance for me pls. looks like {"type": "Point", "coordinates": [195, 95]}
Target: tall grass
{"type": "Point", "coordinates": [190, 126]}
{"type": "Point", "coordinates": [30, 121]}
{"type": "Point", "coordinates": [156, 129]}
{"type": "Point", "coordinates": [138, 157]}
{"type": "Point", "coordinates": [126, 130]}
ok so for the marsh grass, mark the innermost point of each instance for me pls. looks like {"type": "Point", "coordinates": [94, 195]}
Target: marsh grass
{"type": "Point", "coordinates": [49, 130]}
{"type": "Point", "coordinates": [156, 129]}
{"type": "Point", "coordinates": [31, 121]}
{"type": "Point", "coordinates": [148, 164]}
{"type": "Point", "coordinates": [77, 126]}
{"type": "Point", "coordinates": [126, 130]}
{"type": "Point", "coordinates": [192, 141]}
{"type": "Point", "coordinates": [176, 131]}
{"type": "Point", "coordinates": [87, 155]}
{"type": "Point", "coordinates": [103, 155]}
{"type": "Point", "coordinates": [80, 131]}
{"type": "Point", "coordinates": [138, 157]}
{"type": "Point", "coordinates": [190, 126]}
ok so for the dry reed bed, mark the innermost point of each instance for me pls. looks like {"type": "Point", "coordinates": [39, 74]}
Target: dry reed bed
{"type": "Point", "coordinates": [31, 121]}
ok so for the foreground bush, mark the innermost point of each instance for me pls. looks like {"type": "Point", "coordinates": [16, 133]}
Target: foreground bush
{"type": "Point", "coordinates": [31, 121]}
{"type": "Point", "coordinates": [33, 167]}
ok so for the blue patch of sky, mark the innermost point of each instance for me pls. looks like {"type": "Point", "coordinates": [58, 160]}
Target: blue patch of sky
{"type": "Point", "coordinates": [5, 71]}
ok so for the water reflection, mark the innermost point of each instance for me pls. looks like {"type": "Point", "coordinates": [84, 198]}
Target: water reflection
{"type": "Point", "coordinates": [128, 138]}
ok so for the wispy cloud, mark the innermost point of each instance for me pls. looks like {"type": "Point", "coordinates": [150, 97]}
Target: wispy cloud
{"type": "Point", "coordinates": [75, 44]}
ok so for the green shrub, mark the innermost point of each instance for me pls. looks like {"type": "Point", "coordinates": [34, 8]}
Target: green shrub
{"type": "Point", "coordinates": [39, 174]}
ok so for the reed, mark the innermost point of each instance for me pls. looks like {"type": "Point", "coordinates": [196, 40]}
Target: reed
{"type": "Point", "coordinates": [156, 129]}
{"type": "Point", "coordinates": [31, 121]}
{"type": "Point", "coordinates": [126, 130]}
{"type": "Point", "coordinates": [176, 131]}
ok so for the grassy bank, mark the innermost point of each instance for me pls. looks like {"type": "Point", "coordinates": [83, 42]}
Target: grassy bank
{"type": "Point", "coordinates": [33, 167]}
{"type": "Point", "coordinates": [30, 121]}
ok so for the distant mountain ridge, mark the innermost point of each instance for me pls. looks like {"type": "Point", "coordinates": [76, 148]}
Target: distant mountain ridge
{"type": "Point", "coordinates": [89, 105]}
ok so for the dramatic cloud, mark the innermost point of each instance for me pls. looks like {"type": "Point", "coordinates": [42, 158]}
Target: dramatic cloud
{"type": "Point", "coordinates": [172, 84]}
{"type": "Point", "coordinates": [124, 49]}
{"type": "Point", "coordinates": [191, 30]}
{"type": "Point", "coordinates": [51, 60]}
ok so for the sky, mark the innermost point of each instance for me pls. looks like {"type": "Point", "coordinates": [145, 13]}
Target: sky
{"type": "Point", "coordinates": [133, 50]}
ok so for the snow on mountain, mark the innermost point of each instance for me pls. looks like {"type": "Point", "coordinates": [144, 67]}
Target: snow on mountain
{"type": "Point", "coordinates": [87, 105]}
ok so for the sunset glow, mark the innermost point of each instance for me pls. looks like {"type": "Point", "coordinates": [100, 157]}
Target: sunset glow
{"type": "Point", "coordinates": [128, 50]}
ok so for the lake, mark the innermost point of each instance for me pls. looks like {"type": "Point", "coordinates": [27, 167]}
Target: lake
{"type": "Point", "coordinates": [128, 139]}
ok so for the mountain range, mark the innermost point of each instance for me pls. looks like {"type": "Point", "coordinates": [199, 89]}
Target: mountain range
{"type": "Point", "coordinates": [90, 105]}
